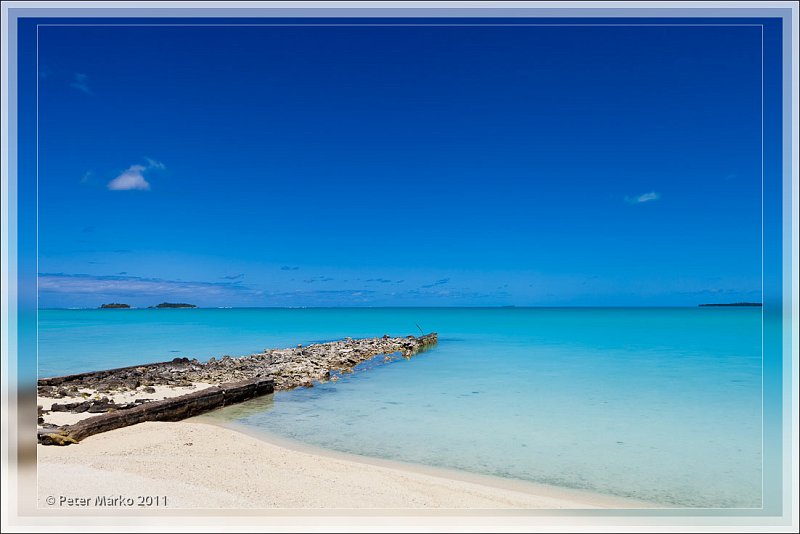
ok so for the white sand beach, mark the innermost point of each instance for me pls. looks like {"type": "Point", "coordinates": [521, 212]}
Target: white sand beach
{"type": "Point", "coordinates": [199, 465]}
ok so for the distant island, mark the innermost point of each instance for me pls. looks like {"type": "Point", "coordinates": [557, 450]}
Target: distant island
{"type": "Point", "coordinates": [734, 304]}
{"type": "Point", "coordinates": [115, 305]}
{"type": "Point", "coordinates": [174, 305]}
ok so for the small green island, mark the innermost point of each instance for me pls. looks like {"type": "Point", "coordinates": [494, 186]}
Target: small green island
{"type": "Point", "coordinates": [174, 305]}
{"type": "Point", "coordinates": [114, 305]}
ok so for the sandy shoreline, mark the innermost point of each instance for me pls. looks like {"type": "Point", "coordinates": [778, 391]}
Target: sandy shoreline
{"type": "Point", "coordinates": [199, 464]}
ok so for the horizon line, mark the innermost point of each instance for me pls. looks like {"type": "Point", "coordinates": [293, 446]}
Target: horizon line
{"type": "Point", "coordinates": [500, 306]}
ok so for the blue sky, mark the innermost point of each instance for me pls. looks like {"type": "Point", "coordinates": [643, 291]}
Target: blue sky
{"type": "Point", "coordinates": [341, 166]}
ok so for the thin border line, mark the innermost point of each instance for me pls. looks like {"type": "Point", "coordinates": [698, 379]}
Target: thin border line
{"type": "Point", "coordinates": [368, 25]}
{"type": "Point", "coordinates": [402, 25]}
{"type": "Point", "coordinates": [762, 266]}
{"type": "Point", "coordinates": [37, 203]}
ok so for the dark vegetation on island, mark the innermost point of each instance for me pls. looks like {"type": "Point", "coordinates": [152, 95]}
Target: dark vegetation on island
{"type": "Point", "coordinates": [117, 305]}
{"type": "Point", "coordinates": [734, 304]}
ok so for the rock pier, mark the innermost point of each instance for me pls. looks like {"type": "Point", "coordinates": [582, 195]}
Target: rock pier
{"type": "Point", "coordinates": [228, 380]}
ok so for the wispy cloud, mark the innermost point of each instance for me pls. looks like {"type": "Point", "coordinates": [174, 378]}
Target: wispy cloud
{"type": "Point", "coordinates": [441, 282]}
{"type": "Point", "coordinates": [119, 286]}
{"type": "Point", "coordinates": [333, 292]}
{"type": "Point", "coordinates": [318, 279]}
{"type": "Point", "coordinates": [153, 164]}
{"type": "Point", "coordinates": [234, 276]}
{"type": "Point", "coordinates": [641, 199]}
{"type": "Point", "coordinates": [133, 179]}
{"type": "Point", "coordinates": [321, 297]}
{"type": "Point", "coordinates": [289, 268]}
{"type": "Point", "coordinates": [452, 295]}
{"type": "Point", "coordinates": [81, 83]}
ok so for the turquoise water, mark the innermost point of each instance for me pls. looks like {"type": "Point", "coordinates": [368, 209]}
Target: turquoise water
{"type": "Point", "coordinates": [660, 404]}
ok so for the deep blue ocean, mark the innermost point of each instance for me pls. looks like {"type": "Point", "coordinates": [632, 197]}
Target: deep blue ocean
{"type": "Point", "coordinates": [660, 404]}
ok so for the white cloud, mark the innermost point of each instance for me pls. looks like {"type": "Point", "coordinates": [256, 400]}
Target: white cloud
{"type": "Point", "coordinates": [129, 180]}
{"type": "Point", "coordinates": [645, 197]}
{"type": "Point", "coordinates": [133, 177]}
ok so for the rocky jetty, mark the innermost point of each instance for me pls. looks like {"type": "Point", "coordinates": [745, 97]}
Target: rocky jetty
{"type": "Point", "coordinates": [234, 380]}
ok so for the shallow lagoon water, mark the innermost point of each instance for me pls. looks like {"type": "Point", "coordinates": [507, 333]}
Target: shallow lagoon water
{"type": "Point", "coordinates": [659, 404]}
